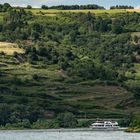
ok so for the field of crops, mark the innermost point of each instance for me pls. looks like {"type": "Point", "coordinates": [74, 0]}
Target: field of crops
{"type": "Point", "coordinates": [53, 12]}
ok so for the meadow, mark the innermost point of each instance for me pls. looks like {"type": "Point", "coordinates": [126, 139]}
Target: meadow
{"type": "Point", "coordinates": [10, 48]}
{"type": "Point", "coordinates": [54, 12]}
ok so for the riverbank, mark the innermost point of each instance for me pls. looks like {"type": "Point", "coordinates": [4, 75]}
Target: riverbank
{"type": "Point", "coordinates": [133, 130]}
{"type": "Point", "coordinates": [135, 125]}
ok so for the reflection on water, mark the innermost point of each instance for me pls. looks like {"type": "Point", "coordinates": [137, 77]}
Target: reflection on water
{"type": "Point", "coordinates": [87, 135]}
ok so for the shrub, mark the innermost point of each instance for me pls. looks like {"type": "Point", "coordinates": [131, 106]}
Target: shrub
{"type": "Point", "coordinates": [67, 120]}
{"type": "Point", "coordinates": [35, 77]}
{"type": "Point", "coordinates": [45, 124]}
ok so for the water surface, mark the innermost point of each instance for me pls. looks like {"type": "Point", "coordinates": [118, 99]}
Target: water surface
{"type": "Point", "coordinates": [57, 135]}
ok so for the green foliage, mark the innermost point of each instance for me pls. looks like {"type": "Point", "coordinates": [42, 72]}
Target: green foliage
{"type": "Point", "coordinates": [121, 7]}
{"type": "Point", "coordinates": [15, 19]}
{"type": "Point", "coordinates": [45, 124]}
{"type": "Point", "coordinates": [75, 62]}
{"type": "Point", "coordinates": [35, 77]}
{"type": "Point", "coordinates": [29, 7]}
{"type": "Point", "coordinates": [136, 122]}
{"type": "Point", "coordinates": [5, 114]}
{"type": "Point", "coordinates": [5, 7]}
{"type": "Point", "coordinates": [25, 124]}
{"type": "Point", "coordinates": [44, 7]}
{"type": "Point", "coordinates": [67, 120]}
{"type": "Point", "coordinates": [126, 121]}
{"type": "Point", "coordinates": [135, 125]}
{"type": "Point", "coordinates": [136, 91]}
{"type": "Point", "coordinates": [73, 7]}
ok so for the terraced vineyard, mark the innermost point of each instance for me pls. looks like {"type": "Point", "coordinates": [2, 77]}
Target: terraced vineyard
{"type": "Point", "coordinates": [85, 97]}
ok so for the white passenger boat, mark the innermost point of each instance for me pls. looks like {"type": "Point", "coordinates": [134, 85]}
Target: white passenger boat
{"type": "Point", "coordinates": [105, 125]}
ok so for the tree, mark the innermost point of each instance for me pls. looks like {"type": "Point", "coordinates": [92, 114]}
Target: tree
{"type": "Point", "coordinates": [1, 7]}
{"type": "Point", "coordinates": [117, 29]}
{"type": "Point", "coordinates": [19, 113]}
{"type": "Point", "coordinates": [136, 91]}
{"type": "Point", "coordinates": [44, 7]}
{"type": "Point", "coordinates": [5, 112]}
{"type": "Point", "coordinates": [36, 31]}
{"type": "Point", "coordinates": [15, 19]}
{"type": "Point", "coordinates": [66, 120]}
{"type": "Point", "coordinates": [121, 7]}
{"type": "Point", "coordinates": [29, 7]}
{"type": "Point", "coordinates": [6, 6]}
{"type": "Point", "coordinates": [74, 7]}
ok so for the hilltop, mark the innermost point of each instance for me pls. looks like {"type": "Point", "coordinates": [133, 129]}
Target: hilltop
{"type": "Point", "coordinates": [99, 12]}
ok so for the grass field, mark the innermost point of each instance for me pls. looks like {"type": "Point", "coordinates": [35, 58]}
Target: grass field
{"type": "Point", "coordinates": [9, 48]}
{"type": "Point", "coordinates": [133, 10]}
{"type": "Point", "coordinates": [53, 12]}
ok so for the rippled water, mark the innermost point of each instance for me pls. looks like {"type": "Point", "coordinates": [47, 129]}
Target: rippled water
{"type": "Point", "coordinates": [83, 135]}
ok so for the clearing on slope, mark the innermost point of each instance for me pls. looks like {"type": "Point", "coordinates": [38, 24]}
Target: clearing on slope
{"type": "Point", "coordinates": [10, 48]}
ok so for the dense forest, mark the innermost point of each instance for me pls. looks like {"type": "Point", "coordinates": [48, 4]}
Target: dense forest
{"type": "Point", "coordinates": [74, 65]}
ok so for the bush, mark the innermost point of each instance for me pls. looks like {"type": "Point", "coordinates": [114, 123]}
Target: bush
{"type": "Point", "coordinates": [16, 80]}
{"type": "Point", "coordinates": [45, 124]}
{"type": "Point", "coordinates": [25, 124]}
{"type": "Point", "coordinates": [35, 77]}
{"type": "Point", "coordinates": [67, 120]}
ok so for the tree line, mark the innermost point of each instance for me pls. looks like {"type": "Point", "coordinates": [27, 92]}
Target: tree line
{"type": "Point", "coordinates": [74, 7]}
{"type": "Point", "coordinates": [4, 7]}
{"type": "Point", "coordinates": [121, 7]}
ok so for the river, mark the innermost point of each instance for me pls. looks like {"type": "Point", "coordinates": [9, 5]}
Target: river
{"type": "Point", "coordinates": [74, 135]}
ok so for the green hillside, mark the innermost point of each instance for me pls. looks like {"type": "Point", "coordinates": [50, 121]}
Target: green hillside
{"type": "Point", "coordinates": [78, 62]}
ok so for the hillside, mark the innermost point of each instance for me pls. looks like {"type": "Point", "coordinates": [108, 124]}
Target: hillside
{"type": "Point", "coordinates": [83, 63]}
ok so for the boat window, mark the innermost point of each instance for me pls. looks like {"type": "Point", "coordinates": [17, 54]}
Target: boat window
{"type": "Point", "coordinates": [109, 125]}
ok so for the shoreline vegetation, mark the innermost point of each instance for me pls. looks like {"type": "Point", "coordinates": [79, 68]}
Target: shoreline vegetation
{"type": "Point", "coordinates": [134, 126]}
{"type": "Point", "coordinates": [62, 69]}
